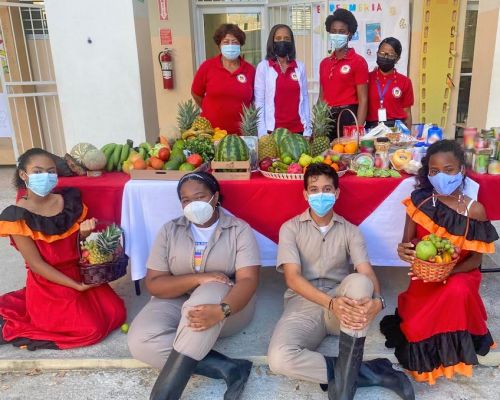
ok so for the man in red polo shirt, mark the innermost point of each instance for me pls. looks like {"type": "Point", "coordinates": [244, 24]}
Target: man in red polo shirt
{"type": "Point", "coordinates": [224, 83]}
{"type": "Point", "coordinates": [343, 76]}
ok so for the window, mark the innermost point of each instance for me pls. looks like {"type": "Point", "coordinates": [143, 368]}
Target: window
{"type": "Point", "coordinates": [301, 19]}
{"type": "Point", "coordinates": [34, 19]}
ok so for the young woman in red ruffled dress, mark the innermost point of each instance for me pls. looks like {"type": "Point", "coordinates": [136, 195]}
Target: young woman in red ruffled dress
{"type": "Point", "coordinates": [439, 328]}
{"type": "Point", "coordinates": [55, 310]}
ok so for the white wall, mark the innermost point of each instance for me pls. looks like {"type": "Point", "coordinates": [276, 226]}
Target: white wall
{"type": "Point", "coordinates": [493, 116]}
{"type": "Point", "coordinates": [99, 83]}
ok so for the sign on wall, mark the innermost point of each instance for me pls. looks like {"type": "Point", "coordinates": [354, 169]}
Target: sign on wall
{"type": "Point", "coordinates": [376, 21]}
{"type": "Point", "coordinates": [165, 36]}
{"type": "Point", "coordinates": [163, 9]}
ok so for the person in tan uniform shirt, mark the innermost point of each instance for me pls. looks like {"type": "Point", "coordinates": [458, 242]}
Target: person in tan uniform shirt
{"type": "Point", "coordinates": [202, 274]}
{"type": "Point", "coordinates": [326, 297]}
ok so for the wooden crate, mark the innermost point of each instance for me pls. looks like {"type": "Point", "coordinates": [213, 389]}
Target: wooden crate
{"type": "Point", "coordinates": [163, 175]}
{"type": "Point", "coordinates": [231, 172]}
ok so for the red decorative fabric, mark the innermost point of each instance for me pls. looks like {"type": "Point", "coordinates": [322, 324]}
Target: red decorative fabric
{"type": "Point", "coordinates": [280, 200]}
{"type": "Point", "coordinates": [44, 310]}
{"type": "Point", "coordinates": [488, 190]}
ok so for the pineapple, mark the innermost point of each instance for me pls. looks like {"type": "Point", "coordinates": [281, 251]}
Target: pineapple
{"type": "Point", "coordinates": [187, 112]}
{"type": "Point", "coordinates": [103, 246]}
{"type": "Point", "coordinates": [201, 124]}
{"type": "Point", "coordinates": [249, 120]}
{"type": "Point", "coordinates": [321, 123]}
{"type": "Point", "coordinates": [267, 147]}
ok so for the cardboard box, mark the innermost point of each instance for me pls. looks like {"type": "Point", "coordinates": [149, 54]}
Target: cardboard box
{"type": "Point", "coordinates": [231, 170]}
{"type": "Point", "coordinates": [163, 175]}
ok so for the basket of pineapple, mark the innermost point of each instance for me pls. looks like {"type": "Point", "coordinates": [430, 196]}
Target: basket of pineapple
{"type": "Point", "coordinates": [102, 254]}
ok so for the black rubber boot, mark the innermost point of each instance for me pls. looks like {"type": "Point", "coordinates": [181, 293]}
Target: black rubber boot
{"type": "Point", "coordinates": [379, 372]}
{"type": "Point", "coordinates": [346, 367]}
{"type": "Point", "coordinates": [234, 372]}
{"type": "Point", "coordinates": [173, 377]}
{"type": "Point", "coordinates": [330, 374]}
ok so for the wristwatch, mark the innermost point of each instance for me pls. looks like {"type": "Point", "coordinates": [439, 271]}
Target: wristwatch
{"type": "Point", "coordinates": [382, 300]}
{"type": "Point", "coordinates": [226, 309]}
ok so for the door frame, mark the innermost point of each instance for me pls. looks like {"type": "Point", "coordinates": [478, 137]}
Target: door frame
{"type": "Point", "coordinates": [199, 31]}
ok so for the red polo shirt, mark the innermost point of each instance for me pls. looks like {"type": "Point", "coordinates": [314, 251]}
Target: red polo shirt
{"type": "Point", "coordinates": [339, 78]}
{"type": "Point", "coordinates": [287, 98]}
{"type": "Point", "coordinates": [224, 92]}
{"type": "Point", "coordinates": [398, 95]}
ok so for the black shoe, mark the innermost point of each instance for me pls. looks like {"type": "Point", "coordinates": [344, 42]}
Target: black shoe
{"type": "Point", "coordinates": [346, 367]}
{"type": "Point", "coordinates": [173, 377]}
{"type": "Point", "coordinates": [234, 372]}
{"type": "Point", "coordinates": [379, 372]}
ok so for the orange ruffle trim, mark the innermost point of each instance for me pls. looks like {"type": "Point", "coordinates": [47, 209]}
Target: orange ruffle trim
{"type": "Point", "coordinates": [420, 218]}
{"type": "Point", "coordinates": [8, 228]}
{"type": "Point", "coordinates": [448, 372]}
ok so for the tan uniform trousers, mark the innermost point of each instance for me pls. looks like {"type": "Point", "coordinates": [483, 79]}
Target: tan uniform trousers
{"type": "Point", "coordinates": [305, 324]}
{"type": "Point", "coordinates": [162, 325]}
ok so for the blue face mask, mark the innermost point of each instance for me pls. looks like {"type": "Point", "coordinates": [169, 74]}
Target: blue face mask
{"type": "Point", "coordinates": [338, 40]}
{"type": "Point", "coordinates": [321, 203]}
{"type": "Point", "coordinates": [446, 184]}
{"type": "Point", "coordinates": [41, 184]}
{"type": "Point", "coordinates": [231, 51]}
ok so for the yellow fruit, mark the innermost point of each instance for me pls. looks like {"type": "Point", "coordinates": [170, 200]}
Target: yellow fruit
{"type": "Point", "coordinates": [351, 148]}
{"type": "Point", "coordinates": [439, 260]}
{"type": "Point", "coordinates": [446, 257]}
{"type": "Point", "coordinates": [124, 328]}
{"type": "Point", "coordinates": [338, 148]}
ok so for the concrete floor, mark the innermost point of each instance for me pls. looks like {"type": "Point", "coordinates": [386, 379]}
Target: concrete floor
{"type": "Point", "coordinates": [129, 382]}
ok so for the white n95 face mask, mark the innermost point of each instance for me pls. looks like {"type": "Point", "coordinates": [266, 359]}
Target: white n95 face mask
{"type": "Point", "coordinates": [199, 212]}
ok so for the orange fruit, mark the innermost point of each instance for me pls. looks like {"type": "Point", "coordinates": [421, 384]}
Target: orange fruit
{"type": "Point", "coordinates": [327, 161]}
{"type": "Point", "coordinates": [156, 163]}
{"type": "Point", "coordinates": [335, 166]}
{"type": "Point", "coordinates": [351, 147]}
{"type": "Point", "coordinates": [139, 164]}
{"type": "Point", "coordinates": [338, 148]}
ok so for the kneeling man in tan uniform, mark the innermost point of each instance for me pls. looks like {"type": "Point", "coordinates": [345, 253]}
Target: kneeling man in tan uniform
{"type": "Point", "coordinates": [326, 297]}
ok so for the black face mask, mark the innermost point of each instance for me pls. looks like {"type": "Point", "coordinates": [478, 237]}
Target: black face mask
{"type": "Point", "coordinates": [283, 48]}
{"type": "Point", "coordinates": [385, 64]}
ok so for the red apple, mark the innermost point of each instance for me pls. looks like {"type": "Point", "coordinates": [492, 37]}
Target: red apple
{"type": "Point", "coordinates": [164, 154]}
{"type": "Point", "coordinates": [195, 160]}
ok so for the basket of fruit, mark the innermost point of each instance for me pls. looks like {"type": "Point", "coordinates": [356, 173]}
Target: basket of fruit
{"type": "Point", "coordinates": [435, 256]}
{"type": "Point", "coordinates": [102, 255]}
{"type": "Point", "coordinates": [346, 145]}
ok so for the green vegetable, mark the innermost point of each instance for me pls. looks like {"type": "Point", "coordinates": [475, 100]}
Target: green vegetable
{"type": "Point", "coordinates": [202, 146]}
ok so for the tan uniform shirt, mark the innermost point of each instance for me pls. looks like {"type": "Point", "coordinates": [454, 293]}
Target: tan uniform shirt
{"type": "Point", "coordinates": [231, 247]}
{"type": "Point", "coordinates": [321, 256]}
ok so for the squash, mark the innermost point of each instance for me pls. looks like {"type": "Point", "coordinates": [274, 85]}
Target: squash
{"type": "Point", "coordinates": [78, 151]}
{"type": "Point", "coordinates": [94, 160]}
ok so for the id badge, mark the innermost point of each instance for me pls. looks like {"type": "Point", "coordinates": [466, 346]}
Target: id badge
{"type": "Point", "coordinates": [382, 114]}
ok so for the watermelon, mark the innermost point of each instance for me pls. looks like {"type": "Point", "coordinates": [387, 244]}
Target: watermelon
{"type": "Point", "coordinates": [295, 145]}
{"type": "Point", "coordinates": [279, 134]}
{"type": "Point", "coordinates": [232, 148]}
{"type": "Point", "coordinates": [79, 150]}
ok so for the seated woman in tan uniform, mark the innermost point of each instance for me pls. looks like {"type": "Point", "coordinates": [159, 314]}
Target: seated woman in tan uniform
{"type": "Point", "coordinates": [202, 274]}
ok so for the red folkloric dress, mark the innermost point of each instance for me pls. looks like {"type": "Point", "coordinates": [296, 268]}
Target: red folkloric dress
{"type": "Point", "coordinates": [45, 314]}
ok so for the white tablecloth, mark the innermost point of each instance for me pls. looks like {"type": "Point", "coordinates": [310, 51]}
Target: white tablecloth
{"type": "Point", "coordinates": [147, 205]}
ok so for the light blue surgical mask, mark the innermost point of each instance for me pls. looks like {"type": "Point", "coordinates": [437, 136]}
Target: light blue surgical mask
{"type": "Point", "coordinates": [321, 203]}
{"type": "Point", "coordinates": [41, 184]}
{"type": "Point", "coordinates": [446, 184]}
{"type": "Point", "coordinates": [338, 40]}
{"type": "Point", "coordinates": [230, 51]}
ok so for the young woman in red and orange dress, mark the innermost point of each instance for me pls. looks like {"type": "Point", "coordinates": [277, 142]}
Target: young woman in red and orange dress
{"type": "Point", "coordinates": [55, 310]}
{"type": "Point", "coordinates": [439, 328]}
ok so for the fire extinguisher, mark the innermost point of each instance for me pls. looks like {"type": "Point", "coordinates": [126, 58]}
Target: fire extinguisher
{"type": "Point", "coordinates": [167, 71]}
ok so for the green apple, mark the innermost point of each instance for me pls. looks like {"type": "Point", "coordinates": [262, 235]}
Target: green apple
{"type": "Point", "coordinates": [305, 160]}
{"type": "Point", "coordinates": [425, 250]}
{"type": "Point", "coordinates": [318, 159]}
{"type": "Point", "coordinates": [335, 158]}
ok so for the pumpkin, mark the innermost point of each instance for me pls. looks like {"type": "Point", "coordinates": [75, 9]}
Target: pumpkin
{"type": "Point", "coordinates": [94, 160]}
{"type": "Point", "coordinates": [79, 150]}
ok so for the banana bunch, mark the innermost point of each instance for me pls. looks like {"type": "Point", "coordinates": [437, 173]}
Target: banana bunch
{"type": "Point", "coordinates": [116, 154]}
{"type": "Point", "coordinates": [219, 134]}
{"type": "Point", "coordinates": [191, 134]}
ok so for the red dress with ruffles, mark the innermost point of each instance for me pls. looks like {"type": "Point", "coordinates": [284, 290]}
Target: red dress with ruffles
{"type": "Point", "coordinates": [439, 329]}
{"type": "Point", "coordinates": [45, 314]}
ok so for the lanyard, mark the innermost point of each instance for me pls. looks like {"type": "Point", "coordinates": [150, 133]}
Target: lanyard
{"type": "Point", "coordinates": [382, 92]}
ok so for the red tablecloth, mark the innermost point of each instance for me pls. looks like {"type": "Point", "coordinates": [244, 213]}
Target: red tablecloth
{"type": "Point", "coordinates": [489, 193]}
{"type": "Point", "coordinates": [102, 195]}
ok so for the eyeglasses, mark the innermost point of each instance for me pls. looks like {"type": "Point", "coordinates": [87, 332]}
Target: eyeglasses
{"type": "Point", "coordinates": [388, 56]}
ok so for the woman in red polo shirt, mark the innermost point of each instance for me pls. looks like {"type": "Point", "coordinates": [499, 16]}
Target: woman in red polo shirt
{"type": "Point", "coordinates": [390, 94]}
{"type": "Point", "coordinates": [224, 83]}
{"type": "Point", "coordinates": [343, 76]}
{"type": "Point", "coordinates": [281, 86]}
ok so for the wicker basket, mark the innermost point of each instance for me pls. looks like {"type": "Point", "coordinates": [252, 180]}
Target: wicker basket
{"type": "Point", "coordinates": [94, 274]}
{"type": "Point", "coordinates": [434, 272]}
{"type": "Point", "coordinates": [344, 140]}
{"type": "Point", "coordinates": [291, 177]}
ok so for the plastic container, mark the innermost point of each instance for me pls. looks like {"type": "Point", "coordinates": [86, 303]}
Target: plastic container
{"type": "Point", "coordinates": [434, 134]}
{"type": "Point", "coordinates": [469, 138]}
{"type": "Point", "coordinates": [367, 146]}
{"type": "Point", "coordinates": [481, 160]}
{"type": "Point", "coordinates": [494, 167]}
{"type": "Point", "coordinates": [419, 151]}
{"type": "Point", "coordinates": [417, 131]}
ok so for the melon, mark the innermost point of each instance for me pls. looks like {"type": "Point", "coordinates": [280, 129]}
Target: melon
{"type": "Point", "coordinates": [279, 134]}
{"type": "Point", "coordinates": [94, 160]}
{"type": "Point", "coordinates": [295, 145]}
{"type": "Point", "coordinates": [232, 148]}
{"type": "Point", "coordinates": [79, 150]}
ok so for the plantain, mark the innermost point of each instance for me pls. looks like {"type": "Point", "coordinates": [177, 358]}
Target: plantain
{"type": "Point", "coordinates": [114, 159]}
{"type": "Point", "coordinates": [124, 153]}
{"type": "Point", "coordinates": [108, 151]}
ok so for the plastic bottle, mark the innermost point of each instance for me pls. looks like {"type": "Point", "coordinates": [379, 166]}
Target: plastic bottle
{"type": "Point", "coordinates": [434, 134]}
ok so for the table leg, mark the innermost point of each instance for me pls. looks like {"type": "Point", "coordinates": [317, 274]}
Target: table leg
{"type": "Point", "coordinates": [137, 285]}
